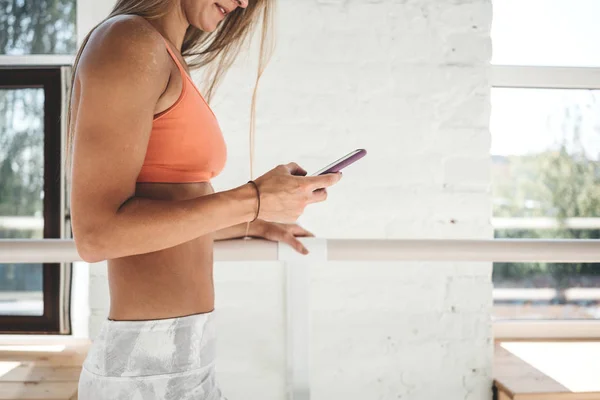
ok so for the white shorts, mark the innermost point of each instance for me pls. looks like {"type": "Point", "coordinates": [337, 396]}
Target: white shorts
{"type": "Point", "coordinates": [166, 359]}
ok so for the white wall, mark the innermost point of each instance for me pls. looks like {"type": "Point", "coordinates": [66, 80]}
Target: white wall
{"type": "Point", "coordinates": [408, 81]}
{"type": "Point", "coordinates": [90, 13]}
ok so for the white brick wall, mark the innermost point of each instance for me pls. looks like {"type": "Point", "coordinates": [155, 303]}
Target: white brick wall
{"type": "Point", "coordinates": [409, 81]}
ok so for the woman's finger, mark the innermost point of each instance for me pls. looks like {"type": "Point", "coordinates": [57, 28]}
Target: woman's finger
{"type": "Point", "coordinates": [299, 231]}
{"type": "Point", "coordinates": [278, 233]}
{"type": "Point", "coordinates": [295, 169]}
{"type": "Point", "coordinates": [319, 195]}
{"type": "Point", "coordinates": [323, 181]}
{"type": "Point", "coordinates": [295, 243]}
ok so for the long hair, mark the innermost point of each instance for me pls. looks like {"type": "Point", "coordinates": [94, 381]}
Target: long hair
{"type": "Point", "coordinates": [216, 51]}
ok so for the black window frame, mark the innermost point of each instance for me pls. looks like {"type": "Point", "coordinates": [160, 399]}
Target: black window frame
{"type": "Point", "coordinates": [48, 79]}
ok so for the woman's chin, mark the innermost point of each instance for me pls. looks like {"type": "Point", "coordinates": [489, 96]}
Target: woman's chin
{"type": "Point", "coordinates": [208, 28]}
{"type": "Point", "coordinates": [207, 25]}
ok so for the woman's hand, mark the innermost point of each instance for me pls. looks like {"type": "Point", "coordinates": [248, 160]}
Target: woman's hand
{"type": "Point", "coordinates": [285, 191]}
{"type": "Point", "coordinates": [276, 232]}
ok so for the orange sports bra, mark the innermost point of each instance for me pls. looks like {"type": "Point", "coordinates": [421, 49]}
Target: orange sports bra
{"type": "Point", "coordinates": [186, 143]}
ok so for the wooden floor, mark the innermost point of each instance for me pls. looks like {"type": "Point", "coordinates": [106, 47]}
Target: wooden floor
{"type": "Point", "coordinates": [48, 371]}
{"type": "Point", "coordinates": [547, 370]}
{"type": "Point", "coordinates": [522, 371]}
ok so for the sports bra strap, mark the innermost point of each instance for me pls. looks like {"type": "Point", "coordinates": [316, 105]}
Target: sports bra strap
{"type": "Point", "coordinates": [174, 57]}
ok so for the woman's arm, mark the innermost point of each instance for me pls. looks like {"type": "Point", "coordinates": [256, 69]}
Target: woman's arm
{"type": "Point", "coordinates": [237, 231]}
{"type": "Point", "coordinates": [121, 76]}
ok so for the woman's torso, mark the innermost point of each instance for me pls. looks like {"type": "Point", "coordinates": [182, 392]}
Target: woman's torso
{"type": "Point", "coordinates": [168, 283]}
{"type": "Point", "coordinates": [173, 282]}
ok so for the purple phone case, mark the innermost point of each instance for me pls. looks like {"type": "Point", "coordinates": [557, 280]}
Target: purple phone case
{"type": "Point", "coordinates": [344, 163]}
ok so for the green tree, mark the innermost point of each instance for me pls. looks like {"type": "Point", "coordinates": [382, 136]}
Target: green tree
{"type": "Point", "coordinates": [37, 26]}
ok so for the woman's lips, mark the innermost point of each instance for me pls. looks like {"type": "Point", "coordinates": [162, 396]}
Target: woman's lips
{"type": "Point", "coordinates": [221, 9]}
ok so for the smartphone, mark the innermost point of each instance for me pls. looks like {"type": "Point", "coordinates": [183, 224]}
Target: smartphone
{"type": "Point", "coordinates": [343, 162]}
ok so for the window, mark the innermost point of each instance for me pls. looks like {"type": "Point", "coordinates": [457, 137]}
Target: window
{"type": "Point", "coordinates": [33, 297]}
{"type": "Point", "coordinates": [546, 174]}
{"type": "Point", "coordinates": [30, 134]}
{"type": "Point", "coordinates": [545, 127]}
{"type": "Point", "coordinates": [37, 27]}
{"type": "Point", "coordinates": [21, 194]}
{"type": "Point", "coordinates": [546, 33]}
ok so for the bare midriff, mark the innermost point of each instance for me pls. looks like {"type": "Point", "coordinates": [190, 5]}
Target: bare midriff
{"type": "Point", "coordinates": [172, 282]}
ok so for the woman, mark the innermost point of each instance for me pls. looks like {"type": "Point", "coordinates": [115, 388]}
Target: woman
{"type": "Point", "coordinates": [145, 147]}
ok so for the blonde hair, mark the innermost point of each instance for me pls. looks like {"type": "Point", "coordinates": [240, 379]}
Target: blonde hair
{"type": "Point", "coordinates": [216, 51]}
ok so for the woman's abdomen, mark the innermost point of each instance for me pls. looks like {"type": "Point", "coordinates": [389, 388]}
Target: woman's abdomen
{"type": "Point", "coordinates": [173, 282]}
{"type": "Point", "coordinates": [168, 283]}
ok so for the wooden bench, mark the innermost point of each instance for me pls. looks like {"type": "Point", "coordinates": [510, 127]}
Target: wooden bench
{"type": "Point", "coordinates": [49, 372]}
{"type": "Point", "coordinates": [547, 371]}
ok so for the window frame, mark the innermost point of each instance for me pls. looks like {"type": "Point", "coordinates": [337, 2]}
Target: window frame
{"type": "Point", "coordinates": [87, 14]}
{"type": "Point", "coordinates": [56, 276]}
{"type": "Point", "coordinates": [542, 77]}
{"type": "Point", "coordinates": [533, 77]}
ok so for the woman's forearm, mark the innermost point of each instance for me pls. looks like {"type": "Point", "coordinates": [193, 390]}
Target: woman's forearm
{"type": "Point", "coordinates": [238, 231]}
{"type": "Point", "coordinates": [143, 225]}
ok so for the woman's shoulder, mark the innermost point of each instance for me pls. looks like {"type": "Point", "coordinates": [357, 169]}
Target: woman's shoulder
{"type": "Point", "coordinates": [131, 29]}
{"type": "Point", "coordinates": [129, 42]}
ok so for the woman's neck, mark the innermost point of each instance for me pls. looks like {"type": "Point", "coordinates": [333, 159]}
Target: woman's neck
{"type": "Point", "coordinates": [173, 26]}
